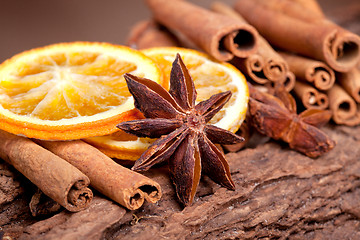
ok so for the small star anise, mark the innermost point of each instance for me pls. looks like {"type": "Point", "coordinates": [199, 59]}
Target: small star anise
{"type": "Point", "coordinates": [275, 116]}
{"type": "Point", "coordinates": [185, 138]}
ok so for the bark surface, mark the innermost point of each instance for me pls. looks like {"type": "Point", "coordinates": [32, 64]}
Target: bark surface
{"type": "Point", "coordinates": [279, 193]}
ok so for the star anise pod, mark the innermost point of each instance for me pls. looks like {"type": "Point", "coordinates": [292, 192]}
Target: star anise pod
{"type": "Point", "coordinates": [276, 117]}
{"type": "Point", "coordinates": [185, 138]}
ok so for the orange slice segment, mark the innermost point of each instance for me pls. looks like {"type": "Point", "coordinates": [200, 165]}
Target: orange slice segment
{"type": "Point", "coordinates": [70, 90]}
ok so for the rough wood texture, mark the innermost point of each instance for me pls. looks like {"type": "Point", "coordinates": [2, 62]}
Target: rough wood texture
{"type": "Point", "coordinates": [280, 193]}
{"type": "Point", "coordinates": [87, 224]}
{"type": "Point", "coordinates": [15, 194]}
{"type": "Point", "coordinates": [9, 184]}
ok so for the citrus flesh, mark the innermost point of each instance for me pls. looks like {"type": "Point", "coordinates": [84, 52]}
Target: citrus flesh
{"type": "Point", "coordinates": [70, 90]}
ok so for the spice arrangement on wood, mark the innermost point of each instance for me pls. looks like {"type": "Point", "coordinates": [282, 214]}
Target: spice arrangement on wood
{"type": "Point", "coordinates": [251, 139]}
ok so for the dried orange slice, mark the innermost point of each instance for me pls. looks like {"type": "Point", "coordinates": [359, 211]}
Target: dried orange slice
{"type": "Point", "coordinates": [210, 77]}
{"type": "Point", "coordinates": [70, 90]}
{"type": "Point", "coordinates": [121, 145]}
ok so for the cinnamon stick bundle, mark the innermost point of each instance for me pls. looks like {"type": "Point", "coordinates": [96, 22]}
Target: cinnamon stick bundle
{"type": "Point", "coordinates": [315, 72]}
{"type": "Point", "coordinates": [310, 97]}
{"type": "Point", "coordinates": [220, 36]}
{"type": "Point", "coordinates": [350, 81]}
{"type": "Point", "coordinates": [148, 33]}
{"type": "Point", "coordinates": [52, 175]}
{"type": "Point", "coordinates": [298, 32]}
{"type": "Point", "coordinates": [122, 185]}
{"type": "Point", "coordinates": [343, 106]}
{"type": "Point", "coordinates": [265, 63]}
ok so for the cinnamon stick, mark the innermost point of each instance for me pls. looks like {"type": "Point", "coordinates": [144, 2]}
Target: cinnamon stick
{"type": "Point", "coordinates": [315, 72]}
{"type": "Point", "coordinates": [312, 37]}
{"type": "Point", "coordinates": [289, 81]}
{"type": "Point", "coordinates": [297, 9]}
{"type": "Point", "coordinates": [310, 97]}
{"type": "Point", "coordinates": [122, 185]}
{"type": "Point", "coordinates": [350, 81]}
{"type": "Point", "coordinates": [288, 84]}
{"type": "Point", "coordinates": [252, 66]}
{"type": "Point", "coordinates": [220, 36]}
{"type": "Point", "coordinates": [313, 6]}
{"type": "Point", "coordinates": [148, 33]}
{"type": "Point", "coordinates": [52, 175]}
{"type": "Point", "coordinates": [263, 65]}
{"type": "Point", "coordinates": [343, 106]}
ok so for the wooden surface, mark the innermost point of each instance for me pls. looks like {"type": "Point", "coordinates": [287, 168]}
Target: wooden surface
{"type": "Point", "coordinates": [279, 192]}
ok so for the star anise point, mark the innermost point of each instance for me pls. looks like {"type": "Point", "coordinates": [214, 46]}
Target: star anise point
{"type": "Point", "coordinates": [185, 139]}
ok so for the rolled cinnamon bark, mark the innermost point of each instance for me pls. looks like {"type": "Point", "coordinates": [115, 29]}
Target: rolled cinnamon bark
{"type": "Point", "coordinates": [54, 176]}
{"type": "Point", "coordinates": [315, 72]}
{"type": "Point", "coordinates": [252, 66]}
{"type": "Point", "coordinates": [321, 40]}
{"type": "Point", "coordinates": [220, 36]}
{"type": "Point", "coordinates": [310, 97]}
{"type": "Point", "coordinates": [289, 81]}
{"type": "Point", "coordinates": [148, 33]}
{"type": "Point", "coordinates": [263, 65]}
{"type": "Point", "coordinates": [313, 6]}
{"type": "Point", "coordinates": [350, 81]}
{"type": "Point", "coordinates": [288, 84]}
{"type": "Point", "coordinates": [120, 184]}
{"type": "Point", "coordinates": [343, 106]}
{"type": "Point", "coordinates": [297, 9]}
{"type": "Point", "coordinates": [275, 66]}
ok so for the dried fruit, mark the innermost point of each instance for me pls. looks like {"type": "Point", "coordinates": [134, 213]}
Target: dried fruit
{"type": "Point", "coordinates": [70, 90]}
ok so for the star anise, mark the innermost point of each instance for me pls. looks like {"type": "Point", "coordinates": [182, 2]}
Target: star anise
{"type": "Point", "coordinates": [276, 117]}
{"type": "Point", "coordinates": [185, 138]}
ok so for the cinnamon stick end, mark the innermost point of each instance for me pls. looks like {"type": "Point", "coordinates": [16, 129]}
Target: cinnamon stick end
{"type": "Point", "coordinates": [152, 192]}
{"type": "Point", "coordinates": [342, 51]}
{"type": "Point", "coordinates": [79, 197]}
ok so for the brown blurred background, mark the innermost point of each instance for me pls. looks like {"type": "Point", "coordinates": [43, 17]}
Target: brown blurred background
{"type": "Point", "coordinates": [26, 24]}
